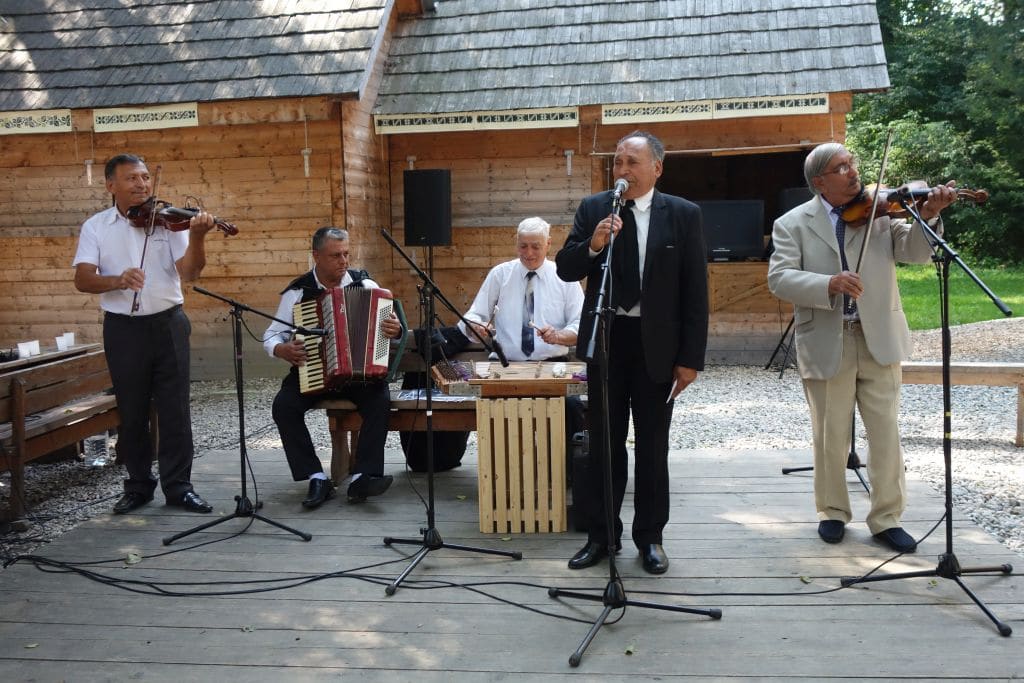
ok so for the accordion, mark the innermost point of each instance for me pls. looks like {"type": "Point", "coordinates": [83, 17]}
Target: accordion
{"type": "Point", "coordinates": [354, 347]}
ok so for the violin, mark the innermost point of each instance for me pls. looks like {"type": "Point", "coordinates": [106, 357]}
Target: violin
{"type": "Point", "coordinates": [857, 212]}
{"type": "Point", "coordinates": [158, 212]}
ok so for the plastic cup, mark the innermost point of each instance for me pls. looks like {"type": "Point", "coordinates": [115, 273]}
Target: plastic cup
{"type": "Point", "coordinates": [35, 347]}
{"type": "Point", "coordinates": [482, 369]}
{"type": "Point", "coordinates": [62, 343]}
{"type": "Point", "coordinates": [69, 339]}
{"type": "Point", "coordinates": [24, 349]}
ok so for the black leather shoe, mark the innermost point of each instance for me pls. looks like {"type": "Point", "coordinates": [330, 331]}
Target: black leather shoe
{"type": "Point", "coordinates": [897, 539]}
{"type": "Point", "coordinates": [367, 485]}
{"type": "Point", "coordinates": [319, 491]}
{"type": "Point", "coordinates": [655, 559]}
{"type": "Point", "coordinates": [131, 500]}
{"type": "Point", "coordinates": [590, 554]}
{"type": "Point", "coordinates": [831, 530]}
{"type": "Point", "coordinates": [191, 501]}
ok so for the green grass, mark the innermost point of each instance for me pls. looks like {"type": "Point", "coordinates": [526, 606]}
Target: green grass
{"type": "Point", "coordinates": [968, 303]}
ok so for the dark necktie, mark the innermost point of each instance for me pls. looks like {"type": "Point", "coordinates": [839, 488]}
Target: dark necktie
{"type": "Point", "coordinates": [849, 305]}
{"type": "Point", "coordinates": [626, 260]}
{"type": "Point", "coordinates": [527, 333]}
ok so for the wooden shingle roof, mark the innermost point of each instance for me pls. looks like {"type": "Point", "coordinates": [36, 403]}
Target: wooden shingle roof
{"type": "Point", "coordinates": [74, 54]}
{"type": "Point", "coordinates": [480, 55]}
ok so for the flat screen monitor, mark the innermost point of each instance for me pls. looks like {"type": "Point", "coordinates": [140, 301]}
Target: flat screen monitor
{"type": "Point", "coordinates": [733, 229]}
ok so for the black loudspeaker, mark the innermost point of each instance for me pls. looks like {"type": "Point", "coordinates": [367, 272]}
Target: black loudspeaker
{"type": "Point", "coordinates": [792, 197]}
{"type": "Point", "coordinates": [428, 207]}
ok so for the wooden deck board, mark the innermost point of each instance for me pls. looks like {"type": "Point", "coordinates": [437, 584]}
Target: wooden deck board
{"type": "Point", "coordinates": [738, 527]}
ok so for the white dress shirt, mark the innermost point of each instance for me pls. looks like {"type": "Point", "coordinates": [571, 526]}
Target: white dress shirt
{"type": "Point", "coordinates": [112, 244]}
{"type": "Point", "coordinates": [556, 303]}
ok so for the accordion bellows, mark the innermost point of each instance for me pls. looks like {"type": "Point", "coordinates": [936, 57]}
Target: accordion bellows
{"type": "Point", "coordinates": [353, 348]}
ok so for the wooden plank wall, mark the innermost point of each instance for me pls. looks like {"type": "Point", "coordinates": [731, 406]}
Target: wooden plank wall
{"type": "Point", "coordinates": [501, 177]}
{"type": "Point", "coordinates": [244, 162]}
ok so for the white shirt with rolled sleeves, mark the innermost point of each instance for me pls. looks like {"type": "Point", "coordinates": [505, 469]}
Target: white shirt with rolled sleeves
{"type": "Point", "coordinates": [557, 303]}
{"type": "Point", "coordinates": [279, 333]}
{"type": "Point", "coordinates": [111, 243]}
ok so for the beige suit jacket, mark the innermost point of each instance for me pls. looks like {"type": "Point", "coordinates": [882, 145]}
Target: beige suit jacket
{"type": "Point", "coordinates": [807, 254]}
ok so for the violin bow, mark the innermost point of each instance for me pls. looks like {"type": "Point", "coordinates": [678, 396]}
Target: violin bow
{"type": "Point", "coordinates": [874, 201]}
{"type": "Point", "coordinates": [149, 231]}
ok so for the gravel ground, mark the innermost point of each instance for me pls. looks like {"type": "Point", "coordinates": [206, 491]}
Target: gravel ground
{"type": "Point", "coordinates": [731, 407]}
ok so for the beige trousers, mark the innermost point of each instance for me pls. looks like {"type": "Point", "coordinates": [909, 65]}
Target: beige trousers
{"type": "Point", "coordinates": [876, 390]}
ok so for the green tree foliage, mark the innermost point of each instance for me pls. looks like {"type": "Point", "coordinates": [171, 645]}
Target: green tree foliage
{"type": "Point", "coordinates": [956, 108]}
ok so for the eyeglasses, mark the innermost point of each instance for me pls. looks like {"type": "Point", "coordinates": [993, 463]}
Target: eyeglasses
{"type": "Point", "coordinates": [844, 168]}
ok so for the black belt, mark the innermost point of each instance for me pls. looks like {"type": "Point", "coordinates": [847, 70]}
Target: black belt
{"type": "Point", "coordinates": [153, 316]}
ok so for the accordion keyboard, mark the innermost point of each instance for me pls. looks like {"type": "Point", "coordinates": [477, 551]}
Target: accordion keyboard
{"type": "Point", "coordinates": [311, 373]}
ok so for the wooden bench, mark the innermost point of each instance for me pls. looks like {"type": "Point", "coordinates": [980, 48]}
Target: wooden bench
{"type": "Point", "coordinates": [406, 416]}
{"type": "Point", "coordinates": [989, 374]}
{"type": "Point", "coordinates": [49, 406]}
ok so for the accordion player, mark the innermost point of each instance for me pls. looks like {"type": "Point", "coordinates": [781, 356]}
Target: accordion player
{"type": "Point", "coordinates": [353, 347]}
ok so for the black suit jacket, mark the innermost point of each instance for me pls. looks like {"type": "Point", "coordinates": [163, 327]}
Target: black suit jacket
{"type": "Point", "coordinates": [674, 291]}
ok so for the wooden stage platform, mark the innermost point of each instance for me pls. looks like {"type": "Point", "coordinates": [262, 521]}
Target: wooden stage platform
{"type": "Point", "coordinates": [741, 538]}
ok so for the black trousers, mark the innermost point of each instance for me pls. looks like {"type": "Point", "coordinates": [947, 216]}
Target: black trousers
{"type": "Point", "coordinates": [630, 391]}
{"type": "Point", "coordinates": [148, 358]}
{"type": "Point", "coordinates": [373, 401]}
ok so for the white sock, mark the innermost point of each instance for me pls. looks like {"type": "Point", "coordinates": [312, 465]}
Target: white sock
{"type": "Point", "coordinates": [318, 475]}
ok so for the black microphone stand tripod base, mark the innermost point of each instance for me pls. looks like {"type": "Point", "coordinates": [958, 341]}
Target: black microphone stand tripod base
{"type": "Point", "coordinates": [431, 539]}
{"type": "Point", "coordinates": [244, 507]}
{"type": "Point", "coordinates": [614, 595]}
{"type": "Point", "coordinates": [948, 566]}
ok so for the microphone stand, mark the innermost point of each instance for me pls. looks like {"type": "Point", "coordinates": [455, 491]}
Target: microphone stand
{"type": "Point", "coordinates": [948, 566]}
{"type": "Point", "coordinates": [614, 594]}
{"type": "Point", "coordinates": [243, 506]}
{"type": "Point", "coordinates": [431, 539]}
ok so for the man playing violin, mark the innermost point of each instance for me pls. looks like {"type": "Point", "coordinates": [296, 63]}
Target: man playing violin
{"type": "Point", "coordinates": [851, 334]}
{"type": "Point", "coordinates": [373, 400]}
{"type": "Point", "coordinates": [147, 349]}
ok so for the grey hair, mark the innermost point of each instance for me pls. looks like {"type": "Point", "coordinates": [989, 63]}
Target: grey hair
{"type": "Point", "coordinates": [534, 226]}
{"type": "Point", "coordinates": [656, 146]}
{"type": "Point", "coordinates": [328, 232]}
{"type": "Point", "coordinates": [818, 160]}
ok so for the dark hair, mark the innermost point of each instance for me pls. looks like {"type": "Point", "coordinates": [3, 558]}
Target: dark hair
{"type": "Point", "coordinates": [328, 232]}
{"type": "Point", "coordinates": [120, 160]}
{"type": "Point", "coordinates": [656, 146]}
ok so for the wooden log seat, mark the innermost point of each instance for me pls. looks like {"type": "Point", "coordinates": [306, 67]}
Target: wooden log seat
{"type": "Point", "coordinates": [989, 374]}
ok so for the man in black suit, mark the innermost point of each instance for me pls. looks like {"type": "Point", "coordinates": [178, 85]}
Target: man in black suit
{"type": "Point", "coordinates": [659, 295]}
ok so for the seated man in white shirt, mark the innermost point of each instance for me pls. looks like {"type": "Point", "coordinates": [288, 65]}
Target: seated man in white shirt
{"type": "Point", "coordinates": [530, 311]}
{"type": "Point", "coordinates": [535, 320]}
{"type": "Point", "coordinates": [373, 400]}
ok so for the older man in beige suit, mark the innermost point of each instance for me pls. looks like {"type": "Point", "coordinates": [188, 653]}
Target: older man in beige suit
{"type": "Point", "coordinates": [851, 335]}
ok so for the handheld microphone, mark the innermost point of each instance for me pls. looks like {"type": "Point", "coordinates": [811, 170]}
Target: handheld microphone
{"type": "Point", "coordinates": [500, 352]}
{"type": "Point", "coordinates": [621, 185]}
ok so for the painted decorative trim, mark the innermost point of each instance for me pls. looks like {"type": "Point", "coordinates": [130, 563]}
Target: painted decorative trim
{"type": "Point", "coordinates": [556, 117]}
{"type": "Point", "coordinates": [43, 121]}
{"type": "Point", "coordinates": [146, 118]}
{"type": "Point", "coordinates": [656, 111]}
{"type": "Point", "coordinates": [773, 106]}
{"type": "Point", "coordinates": [647, 112]}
